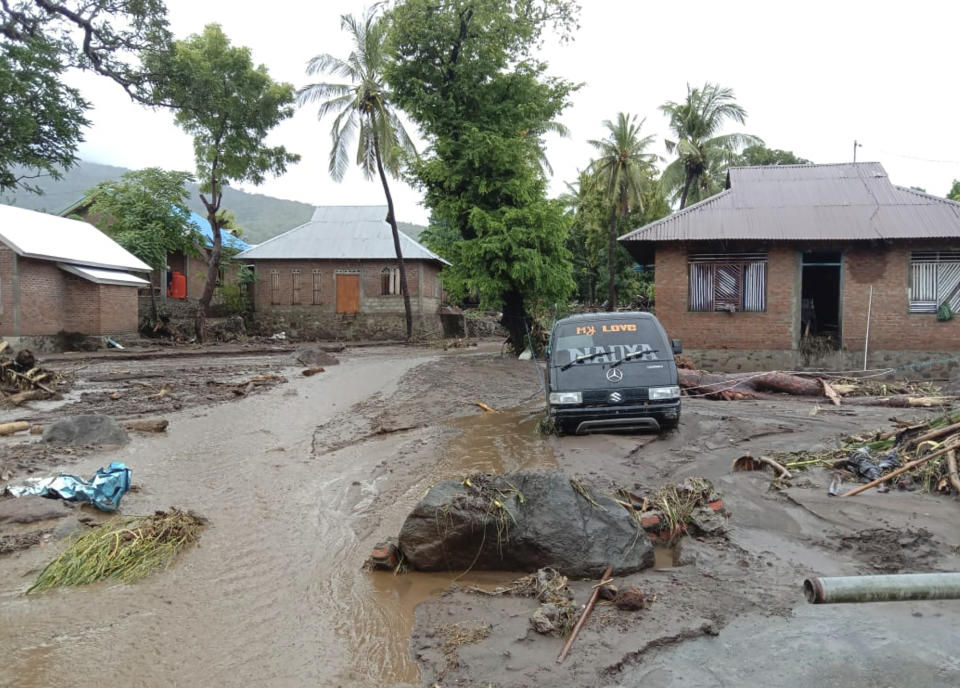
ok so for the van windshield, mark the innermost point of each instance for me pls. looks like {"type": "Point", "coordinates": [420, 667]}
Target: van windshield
{"type": "Point", "coordinates": [610, 340]}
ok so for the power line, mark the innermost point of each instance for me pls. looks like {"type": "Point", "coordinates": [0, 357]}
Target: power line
{"type": "Point", "coordinates": [913, 157]}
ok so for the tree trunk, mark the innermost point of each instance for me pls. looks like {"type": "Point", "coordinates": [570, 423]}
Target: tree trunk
{"type": "Point", "coordinates": [611, 261]}
{"type": "Point", "coordinates": [514, 320]}
{"type": "Point", "coordinates": [213, 258]}
{"type": "Point", "coordinates": [391, 218]}
{"type": "Point", "coordinates": [153, 300]}
{"type": "Point", "coordinates": [746, 386]}
{"type": "Point", "coordinates": [686, 190]}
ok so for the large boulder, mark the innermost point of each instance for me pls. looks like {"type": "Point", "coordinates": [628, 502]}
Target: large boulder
{"type": "Point", "coordinates": [522, 521]}
{"type": "Point", "coordinates": [84, 430]}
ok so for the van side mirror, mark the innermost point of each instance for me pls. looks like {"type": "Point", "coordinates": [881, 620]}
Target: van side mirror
{"type": "Point", "coordinates": [677, 346]}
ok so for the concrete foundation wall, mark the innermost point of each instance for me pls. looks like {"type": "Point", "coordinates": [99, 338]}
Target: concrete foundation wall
{"type": "Point", "coordinates": [302, 323]}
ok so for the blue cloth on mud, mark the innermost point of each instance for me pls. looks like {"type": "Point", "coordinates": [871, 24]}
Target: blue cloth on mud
{"type": "Point", "coordinates": [104, 490]}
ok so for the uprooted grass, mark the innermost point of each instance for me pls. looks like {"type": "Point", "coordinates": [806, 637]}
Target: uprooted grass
{"type": "Point", "coordinates": [548, 586]}
{"type": "Point", "coordinates": [124, 549]}
{"type": "Point", "coordinates": [677, 502]}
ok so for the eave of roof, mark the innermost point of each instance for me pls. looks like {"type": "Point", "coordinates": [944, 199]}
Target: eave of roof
{"type": "Point", "coordinates": [100, 276]}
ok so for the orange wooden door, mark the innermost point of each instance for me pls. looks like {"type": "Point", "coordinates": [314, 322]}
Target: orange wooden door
{"type": "Point", "coordinates": [348, 293]}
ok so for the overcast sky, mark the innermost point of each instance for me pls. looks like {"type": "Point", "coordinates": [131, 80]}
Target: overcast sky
{"type": "Point", "coordinates": [813, 76]}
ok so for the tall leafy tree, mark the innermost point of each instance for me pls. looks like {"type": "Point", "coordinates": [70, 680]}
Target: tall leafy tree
{"type": "Point", "coordinates": [146, 212]}
{"type": "Point", "coordinates": [228, 106]}
{"type": "Point", "coordinates": [761, 156]}
{"type": "Point", "coordinates": [41, 118]}
{"type": "Point", "coordinates": [463, 71]}
{"type": "Point", "coordinates": [363, 105]}
{"type": "Point", "coordinates": [621, 169]}
{"type": "Point", "coordinates": [954, 193]}
{"type": "Point", "coordinates": [702, 151]}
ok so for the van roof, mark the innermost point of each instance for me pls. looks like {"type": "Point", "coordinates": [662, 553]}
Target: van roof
{"type": "Point", "coordinates": [616, 315]}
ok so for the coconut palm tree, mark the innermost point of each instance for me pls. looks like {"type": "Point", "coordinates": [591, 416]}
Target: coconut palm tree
{"type": "Point", "coordinates": [702, 153]}
{"type": "Point", "coordinates": [621, 170]}
{"type": "Point", "coordinates": [363, 105]}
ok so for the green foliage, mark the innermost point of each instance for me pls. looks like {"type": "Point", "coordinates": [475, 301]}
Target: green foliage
{"type": "Point", "coordinates": [703, 154]}
{"type": "Point", "coordinates": [463, 71]}
{"type": "Point", "coordinates": [622, 171]}
{"type": "Point", "coordinates": [759, 155]}
{"type": "Point", "coordinates": [234, 294]}
{"type": "Point", "coordinates": [228, 106]}
{"type": "Point", "coordinates": [145, 212]}
{"type": "Point", "coordinates": [364, 103]}
{"type": "Point", "coordinates": [41, 119]}
{"type": "Point", "coordinates": [954, 193]}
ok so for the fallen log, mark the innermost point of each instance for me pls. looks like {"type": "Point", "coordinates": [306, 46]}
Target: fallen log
{"type": "Point", "coordinates": [146, 424]}
{"type": "Point", "coordinates": [936, 434]}
{"type": "Point", "coordinates": [30, 395]}
{"type": "Point", "coordinates": [307, 372]}
{"type": "Point", "coordinates": [746, 385]}
{"type": "Point", "coordinates": [16, 426]}
{"type": "Point", "coordinates": [901, 401]}
{"type": "Point", "coordinates": [952, 472]}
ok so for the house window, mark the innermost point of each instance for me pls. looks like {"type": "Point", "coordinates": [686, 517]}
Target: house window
{"type": "Point", "coordinates": [728, 282]}
{"type": "Point", "coordinates": [275, 287]}
{"type": "Point", "coordinates": [296, 286]}
{"type": "Point", "coordinates": [390, 281]}
{"type": "Point", "coordinates": [316, 287]}
{"type": "Point", "coordinates": [934, 280]}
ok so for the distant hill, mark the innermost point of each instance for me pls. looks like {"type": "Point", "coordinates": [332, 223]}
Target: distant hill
{"type": "Point", "coordinates": [261, 217]}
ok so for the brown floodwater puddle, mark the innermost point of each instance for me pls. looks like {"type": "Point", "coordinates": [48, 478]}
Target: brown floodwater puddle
{"type": "Point", "coordinates": [499, 442]}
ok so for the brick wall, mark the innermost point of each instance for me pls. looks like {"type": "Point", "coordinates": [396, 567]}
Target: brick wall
{"type": "Point", "coordinates": [118, 309]}
{"type": "Point", "coordinates": [41, 297]}
{"type": "Point", "coordinates": [8, 268]}
{"type": "Point", "coordinates": [772, 329]}
{"type": "Point", "coordinates": [885, 267]}
{"type": "Point", "coordinates": [421, 279]}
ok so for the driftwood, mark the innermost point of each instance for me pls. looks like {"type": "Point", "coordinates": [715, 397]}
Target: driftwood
{"type": "Point", "coordinates": [952, 473]}
{"type": "Point", "coordinates": [586, 613]}
{"type": "Point", "coordinates": [752, 463]}
{"type": "Point", "coordinates": [29, 395]}
{"type": "Point", "coordinates": [935, 434]}
{"type": "Point", "coordinates": [748, 385]}
{"type": "Point", "coordinates": [146, 424]}
{"type": "Point", "coordinates": [902, 401]}
{"type": "Point", "coordinates": [307, 372]}
{"type": "Point", "coordinates": [16, 426]}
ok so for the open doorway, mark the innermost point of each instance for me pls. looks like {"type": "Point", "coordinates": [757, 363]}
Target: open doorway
{"type": "Point", "coordinates": [820, 313]}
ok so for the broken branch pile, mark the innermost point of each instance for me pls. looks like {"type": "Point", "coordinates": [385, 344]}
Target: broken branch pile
{"type": "Point", "coordinates": [21, 379]}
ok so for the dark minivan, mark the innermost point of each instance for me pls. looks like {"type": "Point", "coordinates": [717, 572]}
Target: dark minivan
{"type": "Point", "coordinates": [612, 371]}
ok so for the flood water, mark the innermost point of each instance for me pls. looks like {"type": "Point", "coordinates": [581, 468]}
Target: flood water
{"type": "Point", "coordinates": [274, 593]}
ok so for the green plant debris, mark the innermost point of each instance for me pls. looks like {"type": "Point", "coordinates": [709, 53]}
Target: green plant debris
{"type": "Point", "coordinates": [125, 549]}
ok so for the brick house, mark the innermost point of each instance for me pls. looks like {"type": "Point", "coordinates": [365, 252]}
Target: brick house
{"type": "Point", "coordinates": [336, 276]}
{"type": "Point", "coordinates": [61, 275]}
{"type": "Point", "coordinates": [795, 259]}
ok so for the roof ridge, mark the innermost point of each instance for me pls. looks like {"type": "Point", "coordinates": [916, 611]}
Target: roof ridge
{"type": "Point", "coordinates": [925, 194]}
{"type": "Point", "coordinates": [805, 164]}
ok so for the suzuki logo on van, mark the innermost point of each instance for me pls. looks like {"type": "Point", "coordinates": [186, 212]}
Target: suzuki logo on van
{"type": "Point", "coordinates": [614, 375]}
{"type": "Point", "coordinates": [616, 397]}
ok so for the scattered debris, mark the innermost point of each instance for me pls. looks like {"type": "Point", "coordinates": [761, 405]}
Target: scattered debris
{"type": "Point", "coordinates": [124, 549]}
{"type": "Point", "coordinates": [630, 598]}
{"type": "Point", "coordinates": [307, 372]}
{"type": "Point", "coordinates": [90, 429]}
{"type": "Point", "coordinates": [104, 490]}
{"type": "Point", "coordinates": [21, 379]}
{"type": "Point", "coordinates": [756, 463]}
{"type": "Point", "coordinates": [485, 407]}
{"type": "Point", "coordinates": [585, 615]}
{"type": "Point", "coordinates": [14, 427]}
{"type": "Point", "coordinates": [384, 556]}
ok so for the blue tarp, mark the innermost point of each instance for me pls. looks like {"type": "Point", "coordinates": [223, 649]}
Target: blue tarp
{"type": "Point", "coordinates": [104, 490]}
{"type": "Point", "coordinates": [226, 238]}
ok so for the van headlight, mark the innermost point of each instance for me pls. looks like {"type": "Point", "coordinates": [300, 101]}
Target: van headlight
{"type": "Point", "coordinates": [664, 393]}
{"type": "Point", "coordinates": [566, 397]}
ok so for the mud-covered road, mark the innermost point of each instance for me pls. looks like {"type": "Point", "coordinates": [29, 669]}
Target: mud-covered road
{"type": "Point", "coordinates": [301, 478]}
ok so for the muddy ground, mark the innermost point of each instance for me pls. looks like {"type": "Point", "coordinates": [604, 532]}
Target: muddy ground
{"type": "Point", "coordinates": [301, 476]}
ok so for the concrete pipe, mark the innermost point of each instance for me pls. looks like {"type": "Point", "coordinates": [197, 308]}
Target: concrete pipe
{"type": "Point", "coordinates": [893, 588]}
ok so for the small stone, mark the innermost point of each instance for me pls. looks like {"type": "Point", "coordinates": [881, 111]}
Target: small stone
{"type": "Point", "coordinates": [543, 618]}
{"type": "Point", "coordinates": [629, 598]}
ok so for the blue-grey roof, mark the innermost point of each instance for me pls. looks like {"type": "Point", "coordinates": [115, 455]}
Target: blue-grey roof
{"type": "Point", "coordinates": [848, 201]}
{"type": "Point", "coordinates": [226, 238]}
{"type": "Point", "coordinates": [341, 232]}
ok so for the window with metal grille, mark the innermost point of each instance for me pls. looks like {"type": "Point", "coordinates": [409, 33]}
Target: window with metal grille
{"type": "Point", "coordinates": [389, 281]}
{"type": "Point", "coordinates": [934, 280]}
{"type": "Point", "coordinates": [275, 287]}
{"type": "Point", "coordinates": [316, 287]}
{"type": "Point", "coordinates": [728, 282]}
{"type": "Point", "coordinates": [295, 274]}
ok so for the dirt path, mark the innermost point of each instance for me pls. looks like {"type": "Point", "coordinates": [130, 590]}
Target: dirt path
{"type": "Point", "coordinates": [300, 479]}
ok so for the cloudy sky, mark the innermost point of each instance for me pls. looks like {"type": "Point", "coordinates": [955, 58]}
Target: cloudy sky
{"type": "Point", "coordinates": [813, 76]}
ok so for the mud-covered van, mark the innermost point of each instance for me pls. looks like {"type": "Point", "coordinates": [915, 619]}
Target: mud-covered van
{"type": "Point", "coordinates": [612, 371]}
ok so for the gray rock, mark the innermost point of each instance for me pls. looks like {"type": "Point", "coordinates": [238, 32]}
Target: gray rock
{"type": "Point", "coordinates": [543, 620]}
{"type": "Point", "coordinates": [315, 357]}
{"type": "Point", "coordinates": [86, 430]}
{"type": "Point", "coordinates": [522, 521]}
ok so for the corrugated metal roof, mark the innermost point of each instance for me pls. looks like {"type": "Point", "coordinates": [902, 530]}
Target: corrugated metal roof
{"type": "Point", "coordinates": [49, 237]}
{"type": "Point", "coordinates": [226, 238]}
{"type": "Point", "coordinates": [851, 201]}
{"type": "Point", "coordinates": [101, 276]}
{"type": "Point", "coordinates": [341, 233]}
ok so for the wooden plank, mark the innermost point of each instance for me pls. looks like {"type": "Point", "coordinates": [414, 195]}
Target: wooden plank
{"type": "Point", "coordinates": [348, 293]}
